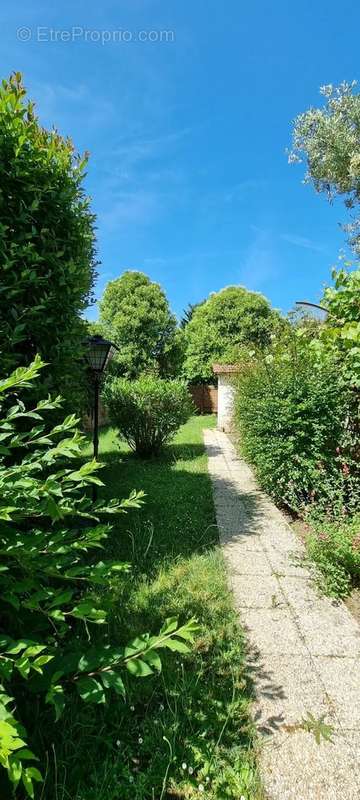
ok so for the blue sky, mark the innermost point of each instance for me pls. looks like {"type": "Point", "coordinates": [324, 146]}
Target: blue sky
{"type": "Point", "coordinates": [188, 172]}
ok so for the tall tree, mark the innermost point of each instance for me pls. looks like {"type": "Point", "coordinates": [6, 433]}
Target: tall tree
{"type": "Point", "coordinates": [328, 138]}
{"type": "Point", "coordinates": [188, 313]}
{"type": "Point", "coordinates": [228, 320]}
{"type": "Point", "coordinates": [46, 245]}
{"type": "Point", "coordinates": [135, 313]}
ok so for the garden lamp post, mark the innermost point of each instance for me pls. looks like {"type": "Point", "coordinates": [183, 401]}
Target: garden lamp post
{"type": "Point", "coordinates": [98, 353]}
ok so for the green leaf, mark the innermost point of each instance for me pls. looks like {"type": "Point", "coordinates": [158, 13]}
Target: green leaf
{"type": "Point", "coordinates": [152, 658]}
{"type": "Point", "coordinates": [138, 668]}
{"type": "Point", "coordinates": [90, 690]}
{"type": "Point", "coordinates": [41, 661]}
{"type": "Point", "coordinates": [23, 665]}
{"type": "Point", "coordinates": [56, 697]}
{"type": "Point", "coordinates": [188, 630]}
{"type": "Point", "coordinates": [34, 774]}
{"type": "Point", "coordinates": [169, 625]}
{"type": "Point", "coordinates": [26, 755]}
{"type": "Point", "coordinates": [34, 650]}
{"type": "Point", "coordinates": [176, 645]}
{"type": "Point", "coordinates": [28, 784]}
{"type": "Point", "coordinates": [61, 598]}
{"type": "Point", "coordinates": [15, 769]}
{"type": "Point", "coordinates": [53, 509]}
{"type": "Point", "coordinates": [86, 610]}
{"type": "Point", "coordinates": [112, 680]}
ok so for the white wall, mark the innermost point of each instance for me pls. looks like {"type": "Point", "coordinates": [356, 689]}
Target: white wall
{"type": "Point", "coordinates": [226, 395]}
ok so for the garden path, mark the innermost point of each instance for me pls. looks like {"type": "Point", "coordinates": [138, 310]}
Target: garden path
{"type": "Point", "coordinates": [303, 648]}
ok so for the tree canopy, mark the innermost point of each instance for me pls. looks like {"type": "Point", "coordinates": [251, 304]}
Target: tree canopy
{"type": "Point", "coordinates": [188, 313]}
{"type": "Point", "coordinates": [328, 138]}
{"type": "Point", "coordinates": [135, 314]}
{"type": "Point", "coordinates": [47, 245]}
{"type": "Point", "coordinates": [227, 321]}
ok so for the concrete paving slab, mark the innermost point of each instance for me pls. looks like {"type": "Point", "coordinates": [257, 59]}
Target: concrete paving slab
{"type": "Point", "coordinates": [287, 692]}
{"type": "Point", "coordinates": [304, 650]}
{"type": "Point", "coordinates": [251, 543]}
{"type": "Point", "coordinates": [329, 631]}
{"type": "Point", "coordinates": [256, 591]}
{"type": "Point", "coordinates": [249, 562]}
{"type": "Point", "coordinates": [272, 631]}
{"type": "Point", "coordinates": [295, 767]}
{"type": "Point", "coordinates": [302, 594]}
{"type": "Point", "coordinates": [282, 542]}
{"type": "Point", "coordinates": [341, 678]}
{"type": "Point", "coordinates": [286, 563]}
{"type": "Point", "coordinates": [353, 739]}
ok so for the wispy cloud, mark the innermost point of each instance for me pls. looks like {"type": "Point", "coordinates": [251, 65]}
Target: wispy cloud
{"type": "Point", "coordinates": [136, 207]}
{"type": "Point", "coordinates": [194, 257]}
{"type": "Point", "coordinates": [141, 179]}
{"type": "Point", "coordinates": [244, 188]}
{"type": "Point", "coordinates": [59, 104]}
{"type": "Point", "coordinates": [260, 262]}
{"type": "Point", "coordinates": [302, 241]}
{"type": "Point", "coordinates": [140, 149]}
{"type": "Point", "coordinates": [145, 162]}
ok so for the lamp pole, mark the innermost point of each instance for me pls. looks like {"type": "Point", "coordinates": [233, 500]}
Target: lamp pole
{"type": "Point", "coordinates": [96, 417]}
{"type": "Point", "coordinates": [96, 379]}
{"type": "Point", "coordinates": [98, 353]}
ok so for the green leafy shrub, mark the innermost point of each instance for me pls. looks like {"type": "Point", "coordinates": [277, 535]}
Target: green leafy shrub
{"type": "Point", "coordinates": [293, 417]}
{"type": "Point", "coordinates": [334, 546]}
{"type": "Point", "coordinates": [341, 332]}
{"type": "Point", "coordinates": [47, 247]}
{"type": "Point", "coordinates": [147, 412]}
{"type": "Point", "coordinates": [53, 594]}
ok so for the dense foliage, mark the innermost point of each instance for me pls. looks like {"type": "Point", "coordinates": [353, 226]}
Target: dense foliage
{"type": "Point", "coordinates": [334, 545]}
{"type": "Point", "coordinates": [292, 413]}
{"type": "Point", "coordinates": [147, 412]}
{"type": "Point", "coordinates": [53, 593]}
{"type": "Point", "coordinates": [46, 243]}
{"type": "Point", "coordinates": [341, 333]}
{"type": "Point", "coordinates": [298, 418]}
{"type": "Point", "coordinates": [223, 324]}
{"type": "Point", "coordinates": [329, 140]}
{"type": "Point", "coordinates": [188, 313]}
{"type": "Point", "coordinates": [135, 314]}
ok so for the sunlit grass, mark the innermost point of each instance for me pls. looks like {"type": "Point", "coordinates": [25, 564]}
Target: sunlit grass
{"type": "Point", "coordinates": [185, 733]}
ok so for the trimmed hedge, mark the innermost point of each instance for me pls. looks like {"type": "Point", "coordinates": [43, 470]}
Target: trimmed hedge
{"type": "Point", "coordinates": [47, 248]}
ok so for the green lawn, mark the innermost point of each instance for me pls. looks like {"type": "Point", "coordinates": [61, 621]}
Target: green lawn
{"type": "Point", "coordinates": [185, 733]}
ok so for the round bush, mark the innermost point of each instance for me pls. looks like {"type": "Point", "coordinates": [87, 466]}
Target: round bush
{"type": "Point", "coordinates": [148, 411]}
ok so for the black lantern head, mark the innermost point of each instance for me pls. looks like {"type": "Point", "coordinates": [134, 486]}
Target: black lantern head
{"type": "Point", "coordinates": [98, 353]}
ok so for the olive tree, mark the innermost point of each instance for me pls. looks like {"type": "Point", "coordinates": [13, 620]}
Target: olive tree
{"type": "Point", "coordinates": [328, 139]}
